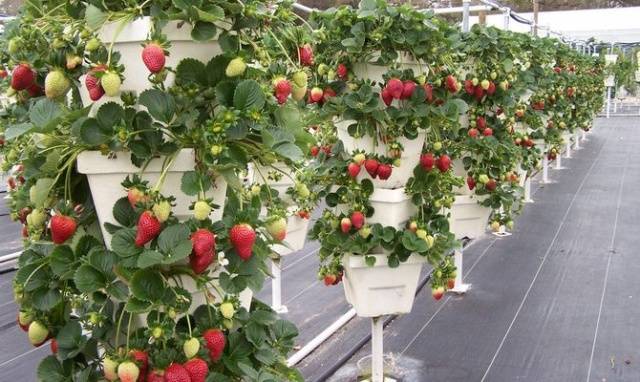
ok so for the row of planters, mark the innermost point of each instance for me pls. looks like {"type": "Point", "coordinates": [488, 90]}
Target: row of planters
{"type": "Point", "coordinates": [432, 135]}
{"type": "Point", "coordinates": [162, 152]}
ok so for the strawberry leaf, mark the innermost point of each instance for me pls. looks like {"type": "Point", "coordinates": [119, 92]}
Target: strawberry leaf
{"type": "Point", "coordinates": [147, 285]}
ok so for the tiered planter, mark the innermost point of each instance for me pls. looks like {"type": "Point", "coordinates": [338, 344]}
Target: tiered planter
{"type": "Point", "coordinates": [297, 229]}
{"type": "Point", "coordinates": [105, 174]}
{"type": "Point", "coordinates": [459, 171]}
{"type": "Point", "coordinates": [128, 39]}
{"type": "Point", "coordinates": [468, 217]}
{"type": "Point", "coordinates": [392, 208]}
{"type": "Point", "coordinates": [409, 159]}
{"type": "Point", "coordinates": [380, 290]}
{"type": "Point", "coordinates": [610, 81]}
{"type": "Point", "coordinates": [372, 71]}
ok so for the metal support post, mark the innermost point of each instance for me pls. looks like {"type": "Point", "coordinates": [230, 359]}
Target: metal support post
{"type": "Point", "coordinates": [465, 15]}
{"type": "Point", "coordinates": [459, 286]}
{"type": "Point", "coordinates": [276, 286]}
{"type": "Point", "coordinates": [377, 349]}
{"type": "Point", "coordinates": [527, 190]}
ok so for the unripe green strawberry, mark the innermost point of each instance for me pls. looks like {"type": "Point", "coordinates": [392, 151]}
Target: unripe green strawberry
{"type": "Point", "coordinates": [24, 320]}
{"type": "Point", "coordinates": [228, 324]}
{"type": "Point", "coordinates": [201, 210]}
{"type": "Point", "coordinates": [430, 241]}
{"type": "Point", "coordinates": [191, 347]}
{"type": "Point", "coordinates": [110, 368]}
{"type": "Point", "coordinates": [38, 333]}
{"type": "Point", "coordinates": [111, 83]}
{"type": "Point", "coordinates": [365, 232]}
{"type": "Point", "coordinates": [323, 69]}
{"type": "Point", "coordinates": [302, 190]}
{"type": "Point", "coordinates": [14, 45]}
{"type": "Point", "coordinates": [300, 78]}
{"type": "Point", "coordinates": [227, 310]}
{"type": "Point", "coordinates": [236, 67]}
{"type": "Point", "coordinates": [36, 218]}
{"type": "Point", "coordinates": [277, 228]}
{"type": "Point", "coordinates": [128, 372]}
{"type": "Point", "coordinates": [298, 93]}
{"type": "Point", "coordinates": [422, 234]}
{"type": "Point", "coordinates": [56, 84]}
{"type": "Point", "coordinates": [92, 45]}
{"type": "Point", "coordinates": [162, 210]}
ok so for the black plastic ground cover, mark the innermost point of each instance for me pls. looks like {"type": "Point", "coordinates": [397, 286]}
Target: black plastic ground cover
{"type": "Point", "coordinates": [557, 300]}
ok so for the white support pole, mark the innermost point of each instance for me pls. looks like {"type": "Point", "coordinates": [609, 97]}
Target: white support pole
{"type": "Point", "coordinates": [608, 101]}
{"type": "Point", "coordinates": [577, 139]}
{"type": "Point", "coordinates": [276, 286]}
{"type": "Point", "coordinates": [502, 231]}
{"type": "Point", "coordinates": [545, 166]}
{"type": "Point", "coordinates": [559, 162]}
{"type": "Point", "coordinates": [377, 349]}
{"type": "Point", "coordinates": [615, 106]}
{"type": "Point", "coordinates": [506, 18]}
{"type": "Point", "coordinates": [527, 190]}
{"type": "Point", "coordinates": [465, 15]}
{"type": "Point", "coordinates": [584, 135]}
{"type": "Point", "coordinates": [568, 148]}
{"type": "Point", "coordinates": [459, 286]}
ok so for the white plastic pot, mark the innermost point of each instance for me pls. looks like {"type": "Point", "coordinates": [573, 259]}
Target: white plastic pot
{"type": "Point", "coordinates": [610, 58]}
{"type": "Point", "coordinates": [127, 39]}
{"type": "Point", "coordinates": [610, 81]}
{"type": "Point", "coordinates": [260, 175]}
{"type": "Point", "coordinates": [408, 160]}
{"type": "Point", "coordinates": [392, 208]}
{"type": "Point", "coordinates": [468, 218]}
{"type": "Point", "coordinates": [371, 71]}
{"type": "Point", "coordinates": [380, 290]}
{"type": "Point", "coordinates": [105, 176]}
{"type": "Point", "coordinates": [637, 74]}
{"type": "Point", "coordinates": [297, 229]}
{"type": "Point", "coordinates": [566, 136]}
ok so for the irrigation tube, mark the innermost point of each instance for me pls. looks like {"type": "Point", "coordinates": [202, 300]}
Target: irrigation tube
{"type": "Point", "coordinates": [9, 257]}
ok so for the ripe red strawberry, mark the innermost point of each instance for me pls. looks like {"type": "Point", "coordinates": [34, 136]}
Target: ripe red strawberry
{"type": "Point", "coordinates": [242, 238]}
{"type": "Point", "coordinates": [35, 90]}
{"type": "Point", "coordinates": [387, 98]}
{"type": "Point", "coordinates": [148, 228]}
{"type": "Point", "coordinates": [384, 171]}
{"type": "Point", "coordinates": [23, 77]}
{"type": "Point", "coordinates": [3, 73]}
{"type": "Point", "coordinates": [478, 93]}
{"type": "Point", "coordinates": [468, 87]}
{"type": "Point", "coordinates": [153, 58]}
{"type": "Point", "coordinates": [197, 369]}
{"type": "Point", "coordinates": [451, 83]}
{"type": "Point", "coordinates": [371, 165]}
{"type": "Point", "coordinates": [471, 182]}
{"type": "Point", "coordinates": [62, 228]}
{"type": "Point", "coordinates": [357, 219]}
{"type": "Point", "coordinates": [315, 150]}
{"type": "Point", "coordinates": [353, 169]}
{"type": "Point", "coordinates": [342, 71]}
{"type": "Point", "coordinates": [304, 214]}
{"type": "Point", "coordinates": [443, 163]}
{"type": "Point", "coordinates": [305, 53]}
{"type": "Point", "coordinates": [54, 346]}
{"type": "Point", "coordinates": [487, 132]}
{"type": "Point", "coordinates": [571, 91]}
{"type": "Point", "coordinates": [204, 241]}
{"type": "Point", "coordinates": [328, 93]}
{"type": "Point", "coordinates": [345, 225]}
{"type": "Point", "coordinates": [473, 133]}
{"type": "Point", "coordinates": [199, 264]}
{"type": "Point", "coordinates": [176, 373]}
{"type": "Point", "coordinates": [437, 292]}
{"type": "Point", "coordinates": [141, 358]}
{"type": "Point", "coordinates": [315, 95]}
{"type": "Point", "coordinates": [395, 87]}
{"type": "Point", "coordinates": [215, 342]}
{"type": "Point", "coordinates": [427, 161]}
{"type": "Point", "coordinates": [492, 88]}
{"type": "Point", "coordinates": [155, 376]}
{"type": "Point", "coordinates": [96, 93]}
{"type": "Point", "coordinates": [428, 91]}
{"type": "Point", "coordinates": [330, 280]}
{"type": "Point", "coordinates": [281, 89]}
{"type": "Point", "coordinates": [408, 87]}
{"type": "Point", "coordinates": [491, 185]}
{"type": "Point", "coordinates": [451, 283]}
{"type": "Point", "coordinates": [481, 123]}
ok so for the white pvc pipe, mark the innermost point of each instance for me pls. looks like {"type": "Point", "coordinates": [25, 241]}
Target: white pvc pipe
{"type": "Point", "coordinates": [559, 161]}
{"type": "Point", "coordinates": [577, 138]}
{"type": "Point", "coordinates": [443, 11]}
{"type": "Point", "coordinates": [276, 286]}
{"type": "Point", "coordinates": [545, 165]}
{"type": "Point", "coordinates": [608, 101]}
{"type": "Point", "coordinates": [584, 135]}
{"type": "Point", "coordinates": [320, 338]}
{"type": "Point", "coordinates": [9, 257]}
{"type": "Point", "coordinates": [459, 287]}
{"type": "Point", "coordinates": [527, 190]}
{"type": "Point", "coordinates": [465, 15]}
{"type": "Point", "coordinates": [303, 8]}
{"type": "Point", "coordinates": [568, 148]}
{"type": "Point", "coordinates": [377, 349]}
